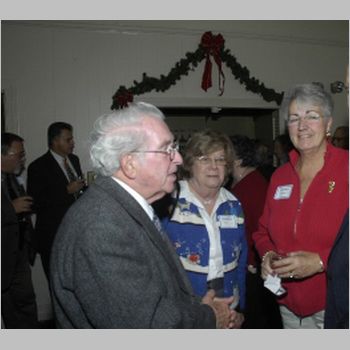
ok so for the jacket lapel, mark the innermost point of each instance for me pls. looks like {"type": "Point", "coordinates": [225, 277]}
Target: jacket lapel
{"type": "Point", "coordinates": [55, 167]}
{"type": "Point", "coordinates": [74, 160]}
{"type": "Point", "coordinates": [139, 215]}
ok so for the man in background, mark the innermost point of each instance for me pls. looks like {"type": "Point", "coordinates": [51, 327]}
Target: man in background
{"type": "Point", "coordinates": [54, 181]}
{"type": "Point", "coordinates": [112, 266]}
{"type": "Point", "coordinates": [18, 302]}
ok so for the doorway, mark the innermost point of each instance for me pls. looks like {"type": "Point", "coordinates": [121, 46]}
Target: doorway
{"type": "Point", "coordinates": [256, 123]}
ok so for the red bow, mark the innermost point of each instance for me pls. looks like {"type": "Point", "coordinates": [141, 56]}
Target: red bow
{"type": "Point", "coordinates": [212, 45]}
{"type": "Point", "coordinates": [123, 98]}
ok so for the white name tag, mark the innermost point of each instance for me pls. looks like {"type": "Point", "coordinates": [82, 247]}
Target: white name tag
{"type": "Point", "coordinates": [283, 192]}
{"type": "Point", "coordinates": [227, 221]}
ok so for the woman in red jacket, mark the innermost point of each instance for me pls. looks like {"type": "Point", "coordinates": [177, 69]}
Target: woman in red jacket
{"type": "Point", "coordinates": [306, 201]}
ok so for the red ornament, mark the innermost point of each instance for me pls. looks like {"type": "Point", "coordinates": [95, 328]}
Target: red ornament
{"type": "Point", "coordinates": [193, 258]}
{"type": "Point", "coordinates": [122, 98]}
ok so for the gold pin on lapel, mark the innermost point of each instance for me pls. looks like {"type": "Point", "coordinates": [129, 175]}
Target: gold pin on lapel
{"type": "Point", "coordinates": [331, 185]}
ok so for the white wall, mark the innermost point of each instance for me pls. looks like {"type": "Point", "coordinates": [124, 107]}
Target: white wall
{"type": "Point", "coordinates": [68, 71]}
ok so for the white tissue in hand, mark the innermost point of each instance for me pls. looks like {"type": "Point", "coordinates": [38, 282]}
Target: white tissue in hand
{"type": "Point", "coordinates": [273, 283]}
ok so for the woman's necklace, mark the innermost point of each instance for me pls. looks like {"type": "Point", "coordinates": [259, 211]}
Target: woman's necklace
{"type": "Point", "coordinates": [204, 201]}
{"type": "Point", "coordinates": [207, 201]}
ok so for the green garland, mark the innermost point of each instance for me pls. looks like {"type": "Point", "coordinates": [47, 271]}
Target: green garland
{"type": "Point", "coordinates": [125, 95]}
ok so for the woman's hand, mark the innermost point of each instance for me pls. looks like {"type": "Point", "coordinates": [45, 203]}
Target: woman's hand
{"type": "Point", "coordinates": [298, 265]}
{"type": "Point", "coordinates": [266, 268]}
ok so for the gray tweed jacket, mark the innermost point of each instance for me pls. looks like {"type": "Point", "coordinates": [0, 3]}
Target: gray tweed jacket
{"type": "Point", "coordinates": [110, 268]}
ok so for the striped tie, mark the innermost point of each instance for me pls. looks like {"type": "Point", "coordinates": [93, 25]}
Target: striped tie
{"type": "Point", "coordinates": [159, 226]}
{"type": "Point", "coordinates": [71, 176]}
{"type": "Point", "coordinates": [69, 171]}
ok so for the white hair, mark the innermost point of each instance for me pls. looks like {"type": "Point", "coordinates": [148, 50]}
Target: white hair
{"type": "Point", "coordinates": [117, 134]}
{"type": "Point", "coordinates": [313, 92]}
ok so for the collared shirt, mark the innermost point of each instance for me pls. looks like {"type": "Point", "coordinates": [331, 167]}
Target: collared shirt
{"type": "Point", "coordinates": [139, 199]}
{"type": "Point", "coordinates": [60, 160]}
{"type": "Point", "coordinates": [216, 268]}
{"type": "Point", "coordinates": [187, 229]}
{"type": "Point", "coordinates": [5, 179]}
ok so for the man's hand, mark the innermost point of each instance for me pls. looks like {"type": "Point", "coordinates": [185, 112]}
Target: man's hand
{"type": "Point", "coordinates": [22, 204]}
{"type": "Point", "coordinates": [75, 186]}
{"type": "Point", "coordinates": [238, 319]}
{"type": "Point", "coordinates": [224, 315]}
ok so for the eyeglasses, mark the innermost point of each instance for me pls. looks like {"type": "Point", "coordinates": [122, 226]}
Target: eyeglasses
{"type": "Point", "coordinates": [205, 160]}
{"type": "Point", "coordinates": [170, 151]}
{"type": "Point", "coordinates": [21, 154]}
{"type": "Point", "coordinates": [309, 118]}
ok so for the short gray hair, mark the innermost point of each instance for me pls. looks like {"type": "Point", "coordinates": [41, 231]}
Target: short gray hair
{"type": "Point", "coordinates": [117, 134]}
{"type": "Point", "coordinates": [314, 93]}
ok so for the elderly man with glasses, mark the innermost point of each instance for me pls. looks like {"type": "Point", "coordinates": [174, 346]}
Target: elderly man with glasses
{"type": "Point", "coordinates": [112, 266]}
{"type": "Point", "coordinates": [18, 304]}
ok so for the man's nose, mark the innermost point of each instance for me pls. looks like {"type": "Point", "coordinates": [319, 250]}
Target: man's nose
{"type": "Point", "coordinates": [178, 158]}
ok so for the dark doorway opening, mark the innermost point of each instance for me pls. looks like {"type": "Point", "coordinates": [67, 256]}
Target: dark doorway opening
{"type": "Point", "coordinates": [256, 123]}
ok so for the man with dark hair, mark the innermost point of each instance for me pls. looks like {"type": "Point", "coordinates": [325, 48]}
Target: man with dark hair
{"type": "Point", "coordinates": [18, 305]}
{"type": "Point", "coordinates": [55, 181]}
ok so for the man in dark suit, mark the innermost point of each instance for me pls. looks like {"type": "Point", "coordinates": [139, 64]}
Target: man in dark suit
{"type": "Point", "coordinates": [54, 181]}
{"type": "Point", "coordinates": [18, 304]}
{"type": "Point", "coordinates": [111, 264]}
{"type": "Point", "coordinates": [337, 305]}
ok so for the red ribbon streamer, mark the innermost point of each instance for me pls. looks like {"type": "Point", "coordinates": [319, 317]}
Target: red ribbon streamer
{"type": "Point", "coordinates": [212, 45]}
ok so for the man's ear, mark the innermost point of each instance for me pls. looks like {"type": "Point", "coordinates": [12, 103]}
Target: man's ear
{"type": "Point", "coordinates": [128, 166]}
{"type": "Point", "coordinates": [53, 142]}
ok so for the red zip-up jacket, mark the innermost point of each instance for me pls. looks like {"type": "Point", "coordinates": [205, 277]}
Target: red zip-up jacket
{"type": "Point", "coordinates": [288, 225]}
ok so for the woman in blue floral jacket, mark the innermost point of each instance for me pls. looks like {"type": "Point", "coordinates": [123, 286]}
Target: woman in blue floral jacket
{"type": "Point", "coordinates": [207, 223]}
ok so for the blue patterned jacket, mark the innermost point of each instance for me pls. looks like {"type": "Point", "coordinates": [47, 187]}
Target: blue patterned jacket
{"type": "Point", "coordinates": [187, 231]}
